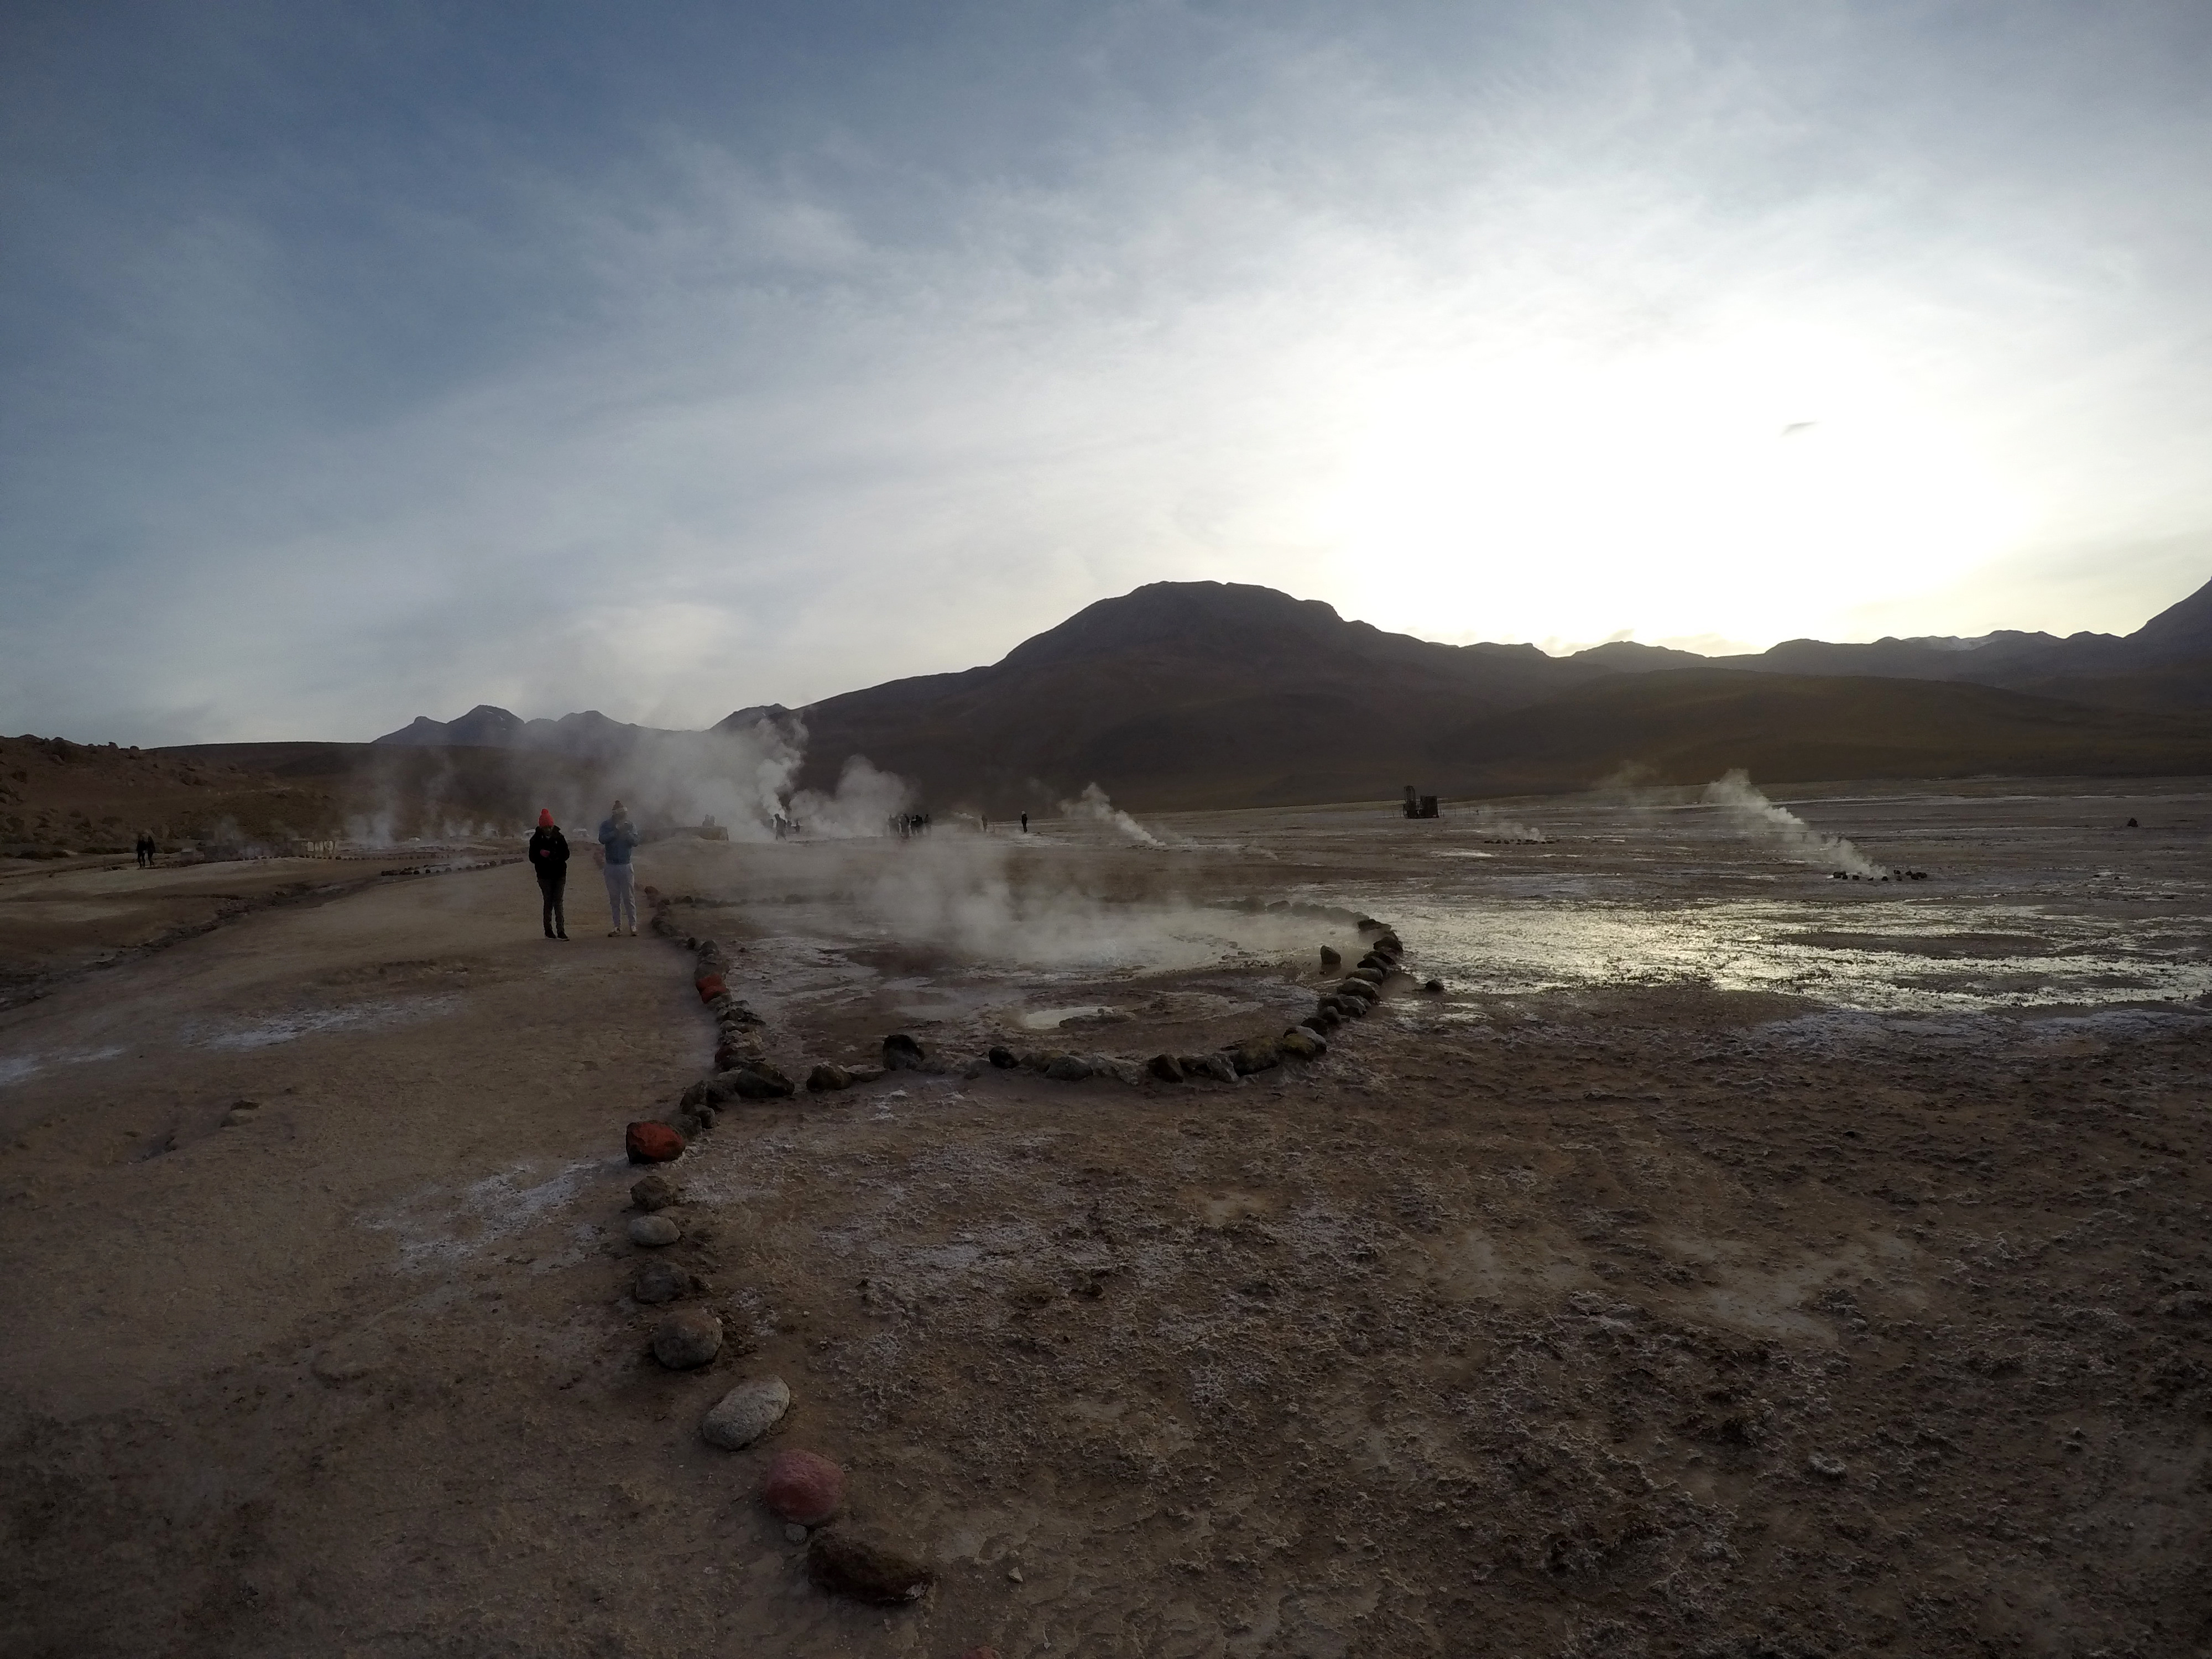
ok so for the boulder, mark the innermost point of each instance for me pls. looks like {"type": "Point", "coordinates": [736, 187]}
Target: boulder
{"type": "Point", "coordinates": [1353, 986]}
{"type": "Point", "coordinates": [1330, 956]}
{"type": "Point", "coordinates": [866, 1567]}
{"type": "Point", "coordinates": [1004, 1058]}
{"type": "Point", "coordinates": [802, 1487]}
{"type": "Point", "coordinates": [661, 1281]}
{"type": "Point", "coordinates": [1324, 1017]}
{"type": "Point", "coordinates": [1067, 1068]}
{"type": "Point", "coordinates": [652, 1142]}
{"type": "Point", "coordinates": [1219, 1067]}
{"type": "Point", "coordinates": [653, 1230]}
{"type": "Point", "coordinates": [1258, 1055]}
{"type": "Point", "coordinates": [1364, 976]}
{"type": "Point", "coordinates": [745, 1413]}
{"type": "Point", "coordinates": [1435, 988]}
{"type": "Point", "coordinates": [1389, 941]}
{"type": "Point", "coordinates": [758, 1081]}
{"type": "Point", "coordinates": [690, 1125]}
{"type": "Point", "coordinates": [652, 1192]}
{"type": "Point", "coordinates": [902, 1053]}
{"type": "Point", "coordinates": [826, 1077]}
{"type": "Point", "coordinates": [694, 1095]}
{"type": "Point", "coordinates": [709, 987]}
{"type": "Point", "coordinates": [1305, 1044]}
{"type": "Point", "coordinates": [1166, 1067]}
{"type": "Point", "coordinates": [684, 1341]}
{"type": "Point", "coordinates": [1382, 965]}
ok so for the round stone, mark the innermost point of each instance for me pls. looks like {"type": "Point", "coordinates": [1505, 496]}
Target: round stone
{"type": "Point", "coordinates": [661, 1281]}
{"type": "Point", "coordinates": [1067, 1068]}
{"type": "Point", "coordinates": [745, 1413]}
{"type": "Point", "coordinates": [654, 1192]}
{"type": "Point", "coordinates": [802, 1487]}
{"type": "Point", "coordinates": [652, 1142]}
{"type": "Point", "coordinates": [847, 1562]}
{"type": "Point", "coordinates": [686, 1341]}
{"type": "Point", "coordinates": [654, 1230]}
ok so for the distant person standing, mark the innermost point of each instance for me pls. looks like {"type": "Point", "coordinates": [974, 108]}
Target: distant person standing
{"type": "Point", "coordinates": [617, 839]}
{"type": "Point", "coordinates": [144, 848]}
{"type": "Point", "coordinates": [549, 861]}
{"type": "Point", "coordinates": [1025, 824]}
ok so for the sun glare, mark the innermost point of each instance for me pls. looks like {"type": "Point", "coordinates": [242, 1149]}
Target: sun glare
{"type": "Point", "coordinates": [1763, 491]}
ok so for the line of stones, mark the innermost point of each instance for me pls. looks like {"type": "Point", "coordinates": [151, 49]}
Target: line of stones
{"type": "Point", "coordinates": [803, 1489]}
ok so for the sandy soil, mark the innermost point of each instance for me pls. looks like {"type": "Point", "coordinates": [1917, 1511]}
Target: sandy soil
{"type": "Point", "coordinates": [1771, 1266]}
{"type": "Point", "coordinates": [58, 920]}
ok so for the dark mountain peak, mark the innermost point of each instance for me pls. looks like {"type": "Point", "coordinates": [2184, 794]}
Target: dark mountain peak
{"type": "Point", "coordinates": [2177, 632]}
{"type": "Point", "coordinates": [484, 725]}
{"type": "Point", "coordinates": [745, 719]}
{"type": "Point", "coordinates": [1227, 616]}
{"type": "Point", "coordinates": [420, 730]}
{"type": "Point", "coordinates": [1626, 656]}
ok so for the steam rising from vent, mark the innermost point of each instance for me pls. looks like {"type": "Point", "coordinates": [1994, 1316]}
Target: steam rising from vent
{"type": "Point", "coordinates": [864, 801]}
{"type": "Point", "coordinates": [1092, 807]}
{"type": "Point", "coordinates": [1491, 827]}
{"type": "Point", "coordinates": [1757, 819]}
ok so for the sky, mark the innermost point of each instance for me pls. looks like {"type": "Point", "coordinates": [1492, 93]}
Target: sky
{"type": "Point", "coordinates": [363, 361]}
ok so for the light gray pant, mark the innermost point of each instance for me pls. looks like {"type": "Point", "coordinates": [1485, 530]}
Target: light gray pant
{"type": "Point", "coordinates": [622, 895]}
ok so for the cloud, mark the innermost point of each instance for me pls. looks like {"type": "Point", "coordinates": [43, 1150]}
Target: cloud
{"type": "Point", "coordinates": [370, 369]}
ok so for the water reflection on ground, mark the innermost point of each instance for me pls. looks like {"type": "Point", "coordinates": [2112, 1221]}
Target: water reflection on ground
{"type": "Point", "coordinates": [2034, 900]}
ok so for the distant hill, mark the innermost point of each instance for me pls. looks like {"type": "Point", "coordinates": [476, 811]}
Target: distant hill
{"type": "Point", "coordinates": [1689, 727]}
{"type": "Point", "coordinates": [1185, 694]}
{"type": "Point", "coordinates": [1198, 693]}
{"type": "Point", "coordinates": [588, 736]}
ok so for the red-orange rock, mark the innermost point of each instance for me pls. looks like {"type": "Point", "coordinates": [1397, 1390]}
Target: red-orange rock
{"type": "Point", "coordinates": [652, 1143]}
{"type": "Point", "coordinates": [802, 1487]}
{"type": "Point", "coordinates": [710, 986]}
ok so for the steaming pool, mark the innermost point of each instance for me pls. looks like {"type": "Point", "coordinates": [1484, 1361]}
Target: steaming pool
{"type": "Point", "coordinates": [2035, 901]}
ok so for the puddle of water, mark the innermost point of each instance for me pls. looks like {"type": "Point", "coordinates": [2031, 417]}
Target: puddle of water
{"type": "Point", "coordinates": [1906, 956]}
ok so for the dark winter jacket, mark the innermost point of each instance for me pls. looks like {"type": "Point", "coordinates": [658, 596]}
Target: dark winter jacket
{"type": "Point", "coordinates": [549, 854]}
{"type": "Point", "coordinates": [618, 836]}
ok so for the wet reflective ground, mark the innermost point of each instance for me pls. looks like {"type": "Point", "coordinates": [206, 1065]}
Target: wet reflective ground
{"type": "Point", "coordinates": [2034, 900]}
{"type": "Point", "coordinates": [2031, 901]}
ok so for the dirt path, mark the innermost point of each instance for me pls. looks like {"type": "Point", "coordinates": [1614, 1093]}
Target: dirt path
{"type": "Point", "coordinates": [1653, 1322]}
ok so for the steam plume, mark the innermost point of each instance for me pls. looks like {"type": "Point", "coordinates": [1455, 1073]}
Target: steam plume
{"type": "Point", "coordinates": [1092, 806]}
{"type": "Point", "coordinates": [1757, 819]}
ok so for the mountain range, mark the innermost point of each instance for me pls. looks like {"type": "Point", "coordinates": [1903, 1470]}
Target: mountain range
{"type": "Point", "coordinates": [1210, 694]}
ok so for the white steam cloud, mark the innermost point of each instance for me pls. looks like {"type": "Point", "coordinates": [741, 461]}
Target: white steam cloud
{"type": "Point", "coordinates": [1092, 806]}
{"type": "Point", "coordinates": [1757, 819]}
{"type": "Point", "coordinates": [1491, 827]}
{"type": "Point", "coordinates": [863, 804]}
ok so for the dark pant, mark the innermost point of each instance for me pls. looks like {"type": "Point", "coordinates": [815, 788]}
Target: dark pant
{"type": "Point", "coordinates": [550, 887]}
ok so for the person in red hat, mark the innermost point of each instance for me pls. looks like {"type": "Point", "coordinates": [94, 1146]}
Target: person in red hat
{"type": "Point", "coordinates": [548, 858]}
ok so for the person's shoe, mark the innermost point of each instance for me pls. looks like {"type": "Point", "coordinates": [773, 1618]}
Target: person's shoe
{"type": "Point", "coordinates": [560, 936]}
{"type": "Point", "coordinates": [549, 932]}
{"type": "Point", "coordinates": [616, 934]}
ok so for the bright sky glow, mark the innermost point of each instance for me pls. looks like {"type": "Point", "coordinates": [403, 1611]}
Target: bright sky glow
{"type": "Point", "coordinates": [359, 365]}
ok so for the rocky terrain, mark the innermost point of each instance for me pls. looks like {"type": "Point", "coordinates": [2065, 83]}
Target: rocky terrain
{"type": "Point", "coordinates": [1838, 1295]}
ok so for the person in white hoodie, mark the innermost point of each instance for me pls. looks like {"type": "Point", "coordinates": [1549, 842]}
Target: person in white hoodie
{"type": "Point", "coordinates": [618, 838]}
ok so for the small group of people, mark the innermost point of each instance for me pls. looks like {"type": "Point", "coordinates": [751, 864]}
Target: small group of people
{"type": "Point", "coordinates": [549, 862]}
{"type": "Point", "coordinates": [910, 823]}
{"type": "Point", "coordinates": [146, 849]}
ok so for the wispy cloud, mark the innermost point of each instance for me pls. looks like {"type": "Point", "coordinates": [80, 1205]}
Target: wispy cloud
{"type": "Point", "coordinates": [359, 372]}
